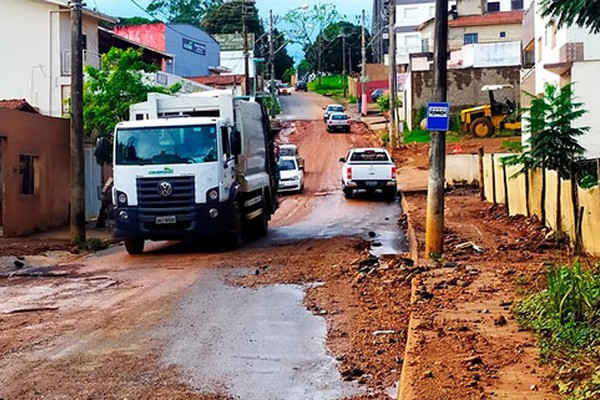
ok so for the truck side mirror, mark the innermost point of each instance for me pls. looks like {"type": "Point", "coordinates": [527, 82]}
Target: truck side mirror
{"type": "Point", "coordinates": [342, 159]}
{"type": "Point", "coordinates": [103, 150]}
{"type": "Point", "coordinates": [236, 142]}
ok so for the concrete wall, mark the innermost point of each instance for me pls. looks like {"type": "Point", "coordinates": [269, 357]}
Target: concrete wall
{"type": "Point", "coordinates": [584, 74]}
{"type": "Point", "coordinates": [462, 168]}
{"type": "Point", "coordinates": [47, 139]}
{"type": "Point", "coordinates": [464, 86]}
{"type": "Point", "coordinates": [519, 200]}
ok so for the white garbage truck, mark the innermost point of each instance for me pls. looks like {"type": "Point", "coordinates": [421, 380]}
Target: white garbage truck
{"type": "Point", "coordinates": [192, 166]}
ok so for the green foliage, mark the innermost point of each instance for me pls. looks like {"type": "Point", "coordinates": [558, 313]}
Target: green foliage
{"type": "Point", "coordinates": [331, 85]}
{"type": "Point", "coordinates": [330, 44]}
{"type": "Point", "coordinates": [227, 18]}
{"type": "Point", "coordinates": [553, 144]}
{"type": "Point", "coordinates": [352, 100]}
{"type": "Point", "coordinates": [585, 14]}
{"type": "Point", "coordinates": [134, 21]}
{"type": "Point", "coordinates": [420, 115]}
{"type": "Point", "coordinates": [511, 145]}
{"type": "Point", "coordinates": [565, 318]}
{"type": "Point", "coordinates": [110, 91]}
{"type": "Point", "coordinates": [182, 11]}
{"type": "Point", "coordinates": [272, 101]}
{"type": "Point", "coordinates": [385, 138]}
{"type": "Point", "coordinates": [304, 68]}
{"type": "Point", "coordinates": [287, 75]}
{"type": "Point", "coordinates": [383, 102]}
{"type": "Point", "coordinates": [455, 125]}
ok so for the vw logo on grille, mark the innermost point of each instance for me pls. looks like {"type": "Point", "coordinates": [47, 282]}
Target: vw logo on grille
{"type": "Point", "coordinates": [165, 189]}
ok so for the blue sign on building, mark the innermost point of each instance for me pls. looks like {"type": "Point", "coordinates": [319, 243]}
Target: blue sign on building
{"type": "Point", "coordinates": [192, 46]}
{"type": "Point", "coordinates": [438, 117]}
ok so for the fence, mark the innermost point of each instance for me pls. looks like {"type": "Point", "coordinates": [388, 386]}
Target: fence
{"type": "Point", "coordinates": [543, 194]}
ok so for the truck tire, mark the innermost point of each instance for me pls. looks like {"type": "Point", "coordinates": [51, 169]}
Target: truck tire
{"type": "Point", "coordinates": [482, 127]}
{"type": "Point", "coordinates": [134, 245]}
{"type": "Point", "coordinates": [234, 240]}
{"type": "Point", "coordinates": [347, 193]}
{"type": "Point", "coordinates": [259, 225]}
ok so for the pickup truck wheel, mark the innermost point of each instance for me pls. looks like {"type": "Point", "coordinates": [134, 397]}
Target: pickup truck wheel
{"type": "Point", "coordinates": [390, 194]}
{"type": "Point", "coordinates": [347, 193]}
{"type": "Point", "coordinates": [134, 245]}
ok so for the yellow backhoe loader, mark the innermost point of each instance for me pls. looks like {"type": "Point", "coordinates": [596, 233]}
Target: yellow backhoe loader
{"type": "Point", "coordinates": [483, 120]}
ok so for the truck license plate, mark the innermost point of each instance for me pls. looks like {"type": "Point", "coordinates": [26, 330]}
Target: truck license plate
{"type": "Point", "coordinates": [169, 219]}
{"type": "Point", "coordinates": [371, 183]}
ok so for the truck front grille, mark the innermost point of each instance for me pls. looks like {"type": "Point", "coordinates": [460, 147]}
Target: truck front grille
{"type": "Point", "coordinates": [155, 200]}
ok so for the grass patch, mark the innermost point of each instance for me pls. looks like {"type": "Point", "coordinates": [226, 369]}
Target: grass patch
{"type": "Point", "coordinates": [330, 85]}
{"type": "Point", "coordinates": [512, 146]}
{"type": "Point", "coordinates": [423, 136]}
{"type": "Point", "coordinates": [565, 317]}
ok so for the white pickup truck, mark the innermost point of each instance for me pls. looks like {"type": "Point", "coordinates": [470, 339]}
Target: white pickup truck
{"type": "Point", "coordinates": [369, 169]}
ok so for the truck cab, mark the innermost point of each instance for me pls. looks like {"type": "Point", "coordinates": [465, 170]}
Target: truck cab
{"type": "Point", "coordinates": [193, 166]}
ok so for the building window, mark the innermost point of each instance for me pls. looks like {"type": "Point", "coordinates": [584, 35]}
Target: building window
{"type": "Point", "coordinates": [516, 4]}
{"type": "Point", "coordinates": [471, 38]}
{"type": "Point", "coordinates": [411, 12]}
{"type": "Point", "coordinates": [502, 34]}
{"type": "Point", "coordinates": [425, 45]}
{"type": "Point", "coordinates": [539, 46]}
{"type": "Point", "coordinates": [29, 171]}
{"type": "Point", "coordinates": [432, 11]}
{"type": "Point", "coordinates": [493, 6]}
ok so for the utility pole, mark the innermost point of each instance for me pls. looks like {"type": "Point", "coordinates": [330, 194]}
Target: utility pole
{"type": "Point", "coordinates": [246, 53]}
{"type": "Point", "coordinates": [320, 38]}
{"type": "Point", "coordinates": [363, 75]}
{"type": "Point", "coordinates": [392, 74]}
{"type": "Point", "coordinates": [434, 234]}
{"type": "Point", "coordinates": [344, 64]}
{"type": "Point", "coordinates": [77, 211]}
{"type": "Point", "coordinates": [272, 57]}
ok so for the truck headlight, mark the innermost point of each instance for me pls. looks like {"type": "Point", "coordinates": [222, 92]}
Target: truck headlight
{"type": "Point", "coordinates": [213, 195]}
{"type": "Point", "coordinates": [295, 178]}
{"type": "Point", "coordinates": [122, 198]}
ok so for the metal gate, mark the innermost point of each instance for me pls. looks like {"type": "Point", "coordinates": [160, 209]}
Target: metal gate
{"type": "Point", "coordinates": [93, 184]}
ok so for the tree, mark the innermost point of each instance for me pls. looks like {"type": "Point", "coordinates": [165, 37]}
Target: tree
{"type": "Point", "coordinates": [553, 144]}
{"type": "Point", "coordinates": [108, 92]}
{"type": "Point", "coordinates": [331, 47]}
{"type": "Point", "coordinates": [132, 21]}
{"type": "Point", "coordinates": [182, 11]}
{"type": "Point", "coordinates": [283, 61]}
{"type": "Point", "coordinates": [583, 13]}
{"type": "Point", "coordinates": [307, 25]}
{"type": "Point", "coordinates": [227, 18]}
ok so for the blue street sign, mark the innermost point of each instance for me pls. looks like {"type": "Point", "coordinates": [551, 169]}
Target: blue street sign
{"type": "Point", "coordinates": [438, 117]}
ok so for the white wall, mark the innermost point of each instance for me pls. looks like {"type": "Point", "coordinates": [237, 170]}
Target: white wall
{"type": "Point", "coordinates": [584, 75]}
{"type": "Point", "coordinates": [234, 60]}
{"type": "Point", "coordinates": [33, 71]}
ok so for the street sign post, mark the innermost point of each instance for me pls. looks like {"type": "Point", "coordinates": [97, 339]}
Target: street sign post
{"type": "Point", "coordinates": [438, 117]}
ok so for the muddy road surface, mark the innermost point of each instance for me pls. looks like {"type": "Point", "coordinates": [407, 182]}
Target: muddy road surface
{"type": "Point", "coordinates": [284, 317]}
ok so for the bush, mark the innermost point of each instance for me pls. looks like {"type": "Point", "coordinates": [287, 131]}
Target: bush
{"type": "Point", "coordinates": [383, 102]}
{"type": "Point", "coordinates": [566, 320]}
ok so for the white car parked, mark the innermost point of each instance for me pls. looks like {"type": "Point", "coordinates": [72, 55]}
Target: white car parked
{"type": "Point", "coordinates": [291, 175]}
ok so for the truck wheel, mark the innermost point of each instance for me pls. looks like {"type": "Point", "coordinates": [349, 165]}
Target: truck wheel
{"type": "Point", "coordinates": [482, 127]}
{"type": "Point", "coordinates": [260, 225]}
{"type": "Point", "coordinates": [134, 245]}
{"type": "Point", "coordinates": [235, 239]}
{"type": "Point", "coordinates": [347, 193]}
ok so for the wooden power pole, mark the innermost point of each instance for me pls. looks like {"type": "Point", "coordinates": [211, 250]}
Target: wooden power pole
{"type": "Point", "coordinates": [77, 210]}
{"type": "Point", "coordinates": [272, 57]}
{"type": "Point", "coordinates": [434, 234]}
{"type": "Point", "coordinates": [363, 75]}
{"type": "Point", "coordinates": [392, 74]}
{"type": "Point", "coordinates": [246, 52]}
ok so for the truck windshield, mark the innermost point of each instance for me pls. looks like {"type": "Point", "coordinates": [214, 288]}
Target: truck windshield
{"type": "Point", "coordinates": [166, 145]}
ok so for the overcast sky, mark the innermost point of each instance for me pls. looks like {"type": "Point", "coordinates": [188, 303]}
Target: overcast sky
{"type": "Point", "coordinates": [350, 8]}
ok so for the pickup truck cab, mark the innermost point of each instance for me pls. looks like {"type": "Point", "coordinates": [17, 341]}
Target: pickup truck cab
{"type": "Point", "coordinates": [369, 169]}
{"type": "Point", "coordinates": [338, 121]}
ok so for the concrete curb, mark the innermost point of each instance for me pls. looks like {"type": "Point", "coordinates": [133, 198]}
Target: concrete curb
{"type": "Point", "coordinates": [407, 373]}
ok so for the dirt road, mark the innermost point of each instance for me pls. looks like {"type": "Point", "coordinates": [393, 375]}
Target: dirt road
{"type": "Point", "coordinates": [284, 317]}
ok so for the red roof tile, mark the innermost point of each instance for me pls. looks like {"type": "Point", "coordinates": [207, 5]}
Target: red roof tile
{"type": "Point", "coordinates": [493, 18]}
{"type": "Point", "coordinates": [18, 104]}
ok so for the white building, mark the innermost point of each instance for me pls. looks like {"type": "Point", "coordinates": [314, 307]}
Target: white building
{"type": "Point", "coordinates": [562, 56]}
{"type": "Point", "coordinates": [39, 46]}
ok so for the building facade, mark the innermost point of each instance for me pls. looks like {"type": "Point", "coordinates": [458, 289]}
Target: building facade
{"type": "Point", "coordinates": [195, 51]}
{"type": "Point", "coordinates": [563, 56]}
